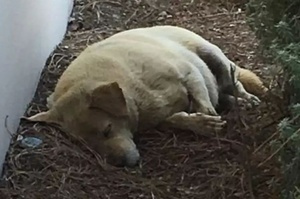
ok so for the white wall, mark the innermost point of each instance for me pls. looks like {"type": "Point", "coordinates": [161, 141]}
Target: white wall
{"type": "Point", "coordinates": [29, 32]}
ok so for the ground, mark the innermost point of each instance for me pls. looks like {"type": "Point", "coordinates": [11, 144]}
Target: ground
{"type": "Point", "coordinates": [238, 163]}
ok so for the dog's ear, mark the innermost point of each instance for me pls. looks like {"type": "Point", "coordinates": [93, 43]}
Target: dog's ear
{"type": "Point", "coordinates": [46, 116]}
{"type": "Point", "coordinates": [109, 98]}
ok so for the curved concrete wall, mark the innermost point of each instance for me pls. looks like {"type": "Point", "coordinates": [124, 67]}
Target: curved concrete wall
{"type": "Point", "coordinates": [29, 32]}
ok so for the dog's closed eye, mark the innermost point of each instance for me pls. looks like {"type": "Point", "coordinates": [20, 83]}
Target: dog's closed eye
{"type": "Point", "coordinates": [107, 130]}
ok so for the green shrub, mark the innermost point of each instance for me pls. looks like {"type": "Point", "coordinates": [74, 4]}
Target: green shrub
{"type": "Point", "coordinates": [277, 25]}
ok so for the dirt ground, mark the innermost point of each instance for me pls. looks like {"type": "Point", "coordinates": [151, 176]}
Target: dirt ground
{"type": "Point", "coordinates": [238, 163]}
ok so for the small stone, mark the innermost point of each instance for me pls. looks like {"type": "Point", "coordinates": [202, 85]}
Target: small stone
{"type": "Point", "coordinates": [116, 16]}
{"type": "Point", "coordinates": [163, 13]}
{"type": "Point", "coordinates": [160, 18]}
{"type": "Point", "coordinates": [20, 137]}
{"type": "Point", "coordinates": [31, 142]}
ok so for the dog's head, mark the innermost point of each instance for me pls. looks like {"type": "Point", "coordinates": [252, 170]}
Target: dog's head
{"type": "Point", "coordinates": [97, 112]}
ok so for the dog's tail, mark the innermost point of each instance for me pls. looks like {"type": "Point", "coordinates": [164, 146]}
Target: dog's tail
{"type": "Point", "coordinates": [251, 82]}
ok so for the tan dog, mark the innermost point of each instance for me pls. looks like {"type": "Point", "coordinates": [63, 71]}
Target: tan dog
{"type": "Point", "coordinates": [127, 83]}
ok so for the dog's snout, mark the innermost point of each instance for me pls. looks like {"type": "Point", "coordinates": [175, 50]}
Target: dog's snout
{"type": "Point", "coordinates": [131, 158]}
{"type": "Point", "coordinates": [121, 151]}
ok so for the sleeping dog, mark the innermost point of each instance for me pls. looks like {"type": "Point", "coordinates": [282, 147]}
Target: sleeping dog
{"type": "Point", "coordinates": [140, 79]}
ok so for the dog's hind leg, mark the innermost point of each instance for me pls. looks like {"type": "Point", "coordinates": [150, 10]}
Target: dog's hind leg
{"type": "Point", "coordinates": [227, 102]}
{"type": "Point", "coordinates": [217, 62]}
{"type": "Point", "coordinates": [197, 89]}
{"type": "Point", "coordinates": [220, 66]}
{"type": "Point", "coordinates": [199, 123]}
{"type": "Point", "coordinates": [244, 94]}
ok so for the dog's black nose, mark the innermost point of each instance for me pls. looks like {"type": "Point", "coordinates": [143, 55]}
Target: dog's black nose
{"type": "Point", "coordinates": [132, 158]}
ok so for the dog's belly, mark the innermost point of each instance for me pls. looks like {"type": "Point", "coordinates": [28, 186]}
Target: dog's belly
{"type": "Point", "coordinates": [160, 104]}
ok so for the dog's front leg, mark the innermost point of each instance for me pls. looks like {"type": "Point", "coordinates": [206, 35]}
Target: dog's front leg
{"type": "Point", "coordinates": [197, 122]}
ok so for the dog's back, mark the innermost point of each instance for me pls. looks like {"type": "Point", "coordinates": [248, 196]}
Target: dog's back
{"type": "Point", "coordinates": [187, 38]}
{"type": "Point", "coordinates": [178, 40]}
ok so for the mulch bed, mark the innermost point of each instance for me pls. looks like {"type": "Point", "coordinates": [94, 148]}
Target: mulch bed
{"type": "Point", "coordinates": [236, 164]}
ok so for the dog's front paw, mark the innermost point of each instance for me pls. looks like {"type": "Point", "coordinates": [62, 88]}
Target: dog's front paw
{"type": "Point", "coordinates": [203, 122]}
